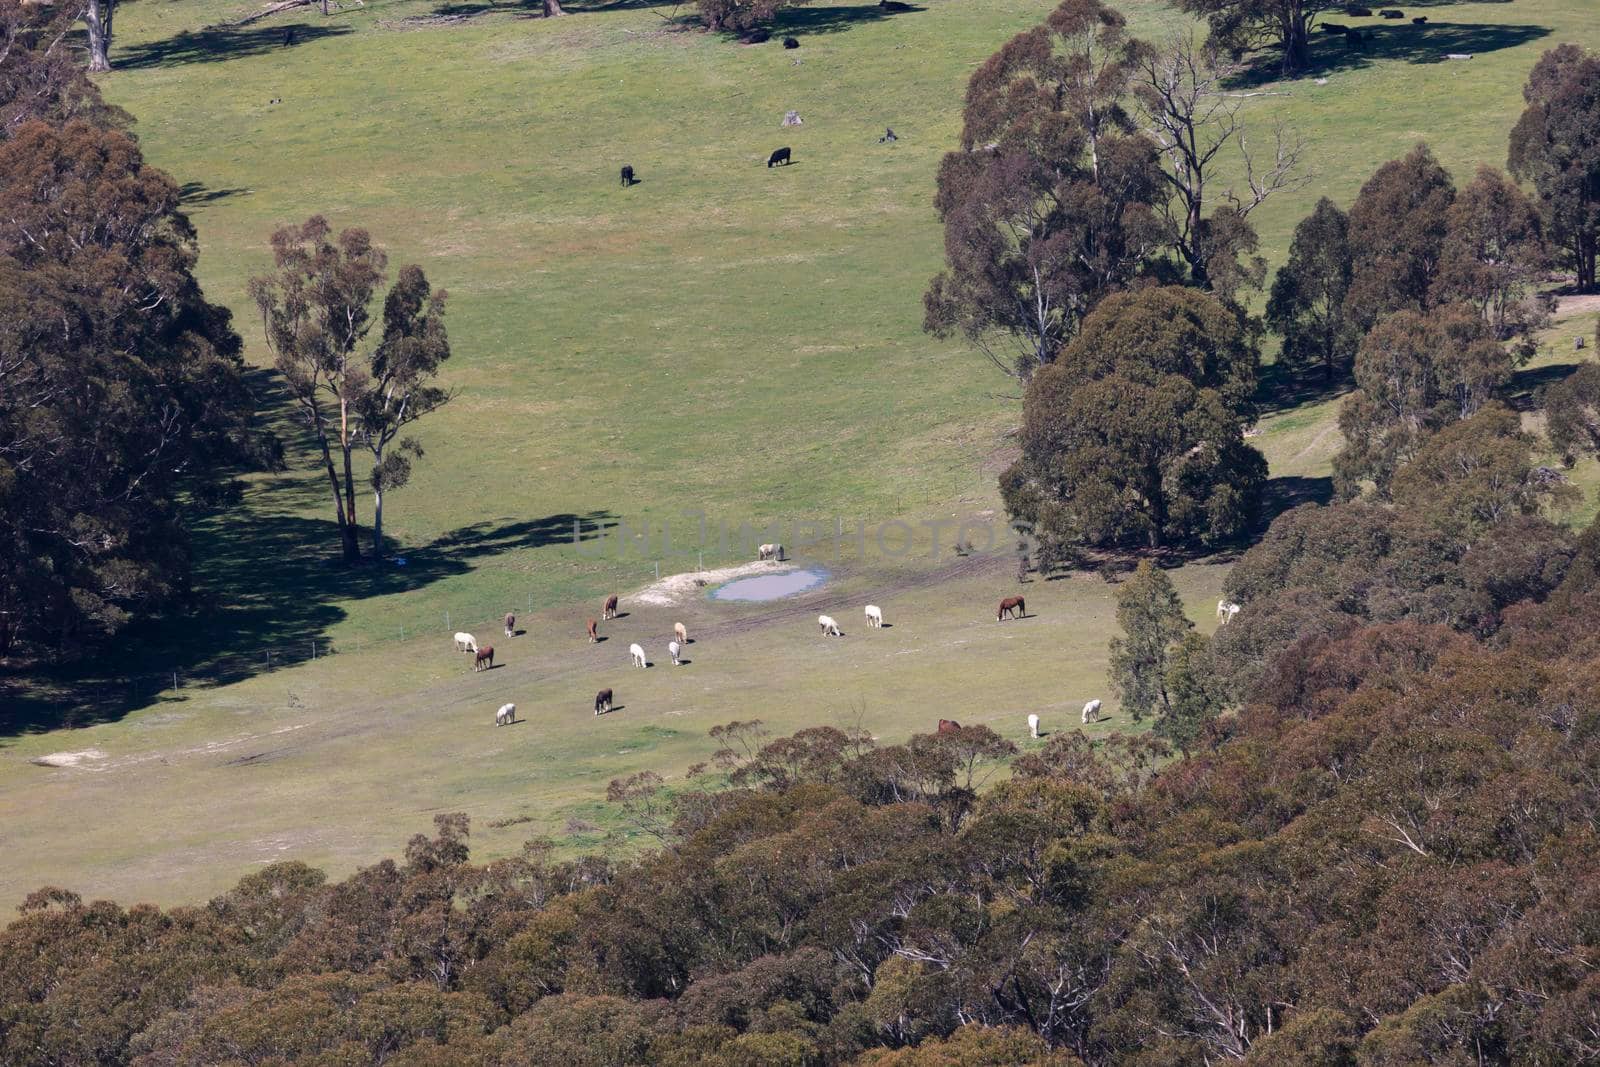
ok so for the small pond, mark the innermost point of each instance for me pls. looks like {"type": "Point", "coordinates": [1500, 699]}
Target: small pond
{"type": "Point", "coordinates": [770, 586]}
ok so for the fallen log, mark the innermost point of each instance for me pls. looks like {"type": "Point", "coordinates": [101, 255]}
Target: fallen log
{"type": "Point", "coordinates": [273, 9]}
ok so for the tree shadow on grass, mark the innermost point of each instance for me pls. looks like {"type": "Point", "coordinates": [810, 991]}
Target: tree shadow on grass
{"type": "Point", "coordinates": [820, 19]}
{"type": "Point", "coordinates": [1398, 40]}
{"type": "Point", "coordinates": [1283, 388]}
{"type": "Point", "coordinates": [193, 193]}
{"type": "Point", "coordinates": [216, 43]}
{"type": "Point", "coordinates": [1522, 392]}
{"type": "Point", "coordinates": [269, 589]}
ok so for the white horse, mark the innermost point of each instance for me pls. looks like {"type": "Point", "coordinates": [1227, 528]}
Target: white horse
{"type": "Point", "coordinates": [828, 625]}
{"type": "Point", "coordinates": [638, 656]}
{"type": "Point", "coordinates": [681, 632]}
{"type": "Point", "coordinates": [769, 551]}
{"type": "Point", "coordinates": [673, 648]}
{"type": "Point", "coordinates": [1033, 726]}
{"type": "Point", "coordinates": [1226, 610]}
{"type": "Point", "coordinates": [465, 642]}
{"type": "Point", "coordinates": [874, 616]}
{"type": "Point", "coordinates": [1091, 712]}
{"type": "Point", "coordinates": [506, 715]}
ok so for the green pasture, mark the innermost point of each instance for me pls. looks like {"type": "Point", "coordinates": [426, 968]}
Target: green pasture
{"type": "Point", "coordinates": [721, 339]}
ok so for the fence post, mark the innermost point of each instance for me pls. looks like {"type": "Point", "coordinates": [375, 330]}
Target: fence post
{"type": "Point", "coordinates": [174, 683]}
{"type": "Point", "coordinates": [313, 649]}
{"type": "Point", "coordinates": [658, 571]}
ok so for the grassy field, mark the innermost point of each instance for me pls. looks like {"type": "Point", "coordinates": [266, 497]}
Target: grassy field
{"type": "Point", "coordinates": [721, 338]}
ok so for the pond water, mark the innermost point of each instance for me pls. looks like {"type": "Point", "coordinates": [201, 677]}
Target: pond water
{"type": "Point", "coordinates": [769, 586]}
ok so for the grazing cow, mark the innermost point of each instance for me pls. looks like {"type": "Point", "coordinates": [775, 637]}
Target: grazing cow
{"type": "Point", "coordinates": [511, 625]}
{"type": "Point", "coordinates": [874, 616]}
{"type": "Point", "coordinates": [484, 660]}
{"type": "Point", "coordinates": [610, 611]}
{"type": "Point", "coordinates": [790, 42]}
{"type": "Point", "coordinates": [1335, 27]}
{"type": "Point", "coordinates": [758, 36]}
{"type": "Point", "coordinates": [949, 726]}
{"type": "Point", "coordinates": [782, 155]}
{"type": "Point", "coordinates": [1391, 13]}
{"type": "Point", "coordinates": [1033, 727]}
{"type": "Point", "coordinates": [627, 176]}
{"type": "Point", "coordinates": [602, 701]}
{"type": "Point", "coordinates": [681, 632]}
{"type": "Point", "coordinates": [594, 631]}
{"type": "Point", "coordinates": [1420, 20]}
{"type": "Point", "coordinates": [637, 655]}
{"type": "Point", "coordinates": [506, 715]}
{"type": "Point", "coordinates": [894, 5]}
{"type": "Point", "coordinates": [1014, 606]}
{"type": "Point", "coordinates": [888, 135]}
{"type": "Point", "coordinates": [466, 642]}
{"type": "Point", "coordinates": [1091, 712]}
{"type": "Point", "coordinates": [1226, 610]}
{"type": "Point", "coordinates": [673, 648]}
{"type": "Point", "coordinates": [828, 626]}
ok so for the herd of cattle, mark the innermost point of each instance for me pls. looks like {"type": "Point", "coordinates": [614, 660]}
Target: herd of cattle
{"type": "Point", "coordinates": [1013, 607]}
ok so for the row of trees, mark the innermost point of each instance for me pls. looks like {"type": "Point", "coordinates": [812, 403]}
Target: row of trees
{"type": "Point", "coordinates": [1386, 857]}
{"type": "Point", "coordinates": [123, 403]}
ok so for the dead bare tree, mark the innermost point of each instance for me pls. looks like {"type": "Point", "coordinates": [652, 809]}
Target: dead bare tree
{"type": "Point", "coordinates": [1185, 111]}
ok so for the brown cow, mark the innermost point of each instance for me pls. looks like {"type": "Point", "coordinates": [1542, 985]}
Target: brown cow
{"type": "Point", "coordinates": [949, 726]}
{"type": "Point", "coordinates": [602, 701]}
{"type": "Point", "coordinates": [611, 608]}
{"type": "Point", "coordinates": [1013, 606]}
{"type": "Point", "coordinates": [484, 660]}
{"type": "Point", "coordinates": [594, 631]}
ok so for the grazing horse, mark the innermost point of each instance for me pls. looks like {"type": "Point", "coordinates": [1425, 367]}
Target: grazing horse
{"type": "Point", "coordinates": [1014, 606]}
{"type": "Point", "coordinates": [610, 611]}
{"type": "Point", "coordinates": [828, 625]}
{"type": "Point", "coordinates": [769, 552]}
{"type": "Point", "coordinates": [627, 176]}
{"type": "Point", "coordinates": [1033, 726]}
{"type": "Point", "coordinates": [874, 616]}
{"type": "Point", "coordinates": [484, 660]}
{"type": "Point", "coordinates": [594, 631]}
{"type": "Point", "coordinates": [949, 726]}
{"type": "Point", "coordinates": [511, 625]}
{"type": "Point", "coordinates": [636, 653]}
{"type": "Point", "coordinates": [465, 642]}
{"type": "Point", "coordinates": [782, 155]}
{"type": "Point", "coordinates": [673, 648]}
{"type": "Point", "coordinates": [506, 715]}
{"type": "Point", "coordinates": [1091, 712]}
{"type": "Point", "coordinates": [681, 632]}
{"type": "Point", "coordinates": [602, 701]}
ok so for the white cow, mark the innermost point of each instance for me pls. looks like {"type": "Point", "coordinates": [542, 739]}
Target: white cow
{"type": "Point", "coordinates": [506, 715]}
{"type": "Point", "coordinates": [874, 616]}
{"type": "Point", "coordinates": [466, 643]}
{"type": "Point", "coordinates": [637, 653]}
{"type": "Point", "coordinates": [1091, 712]}
{"type": "Point", "coordinates": [1033, 726]}
{"type": "Point", "coordinates": [828, 625]}
{"type": "Point", "coordinates": [1226, 610]}
{"type": "Point", "coordinates": [673, 648]}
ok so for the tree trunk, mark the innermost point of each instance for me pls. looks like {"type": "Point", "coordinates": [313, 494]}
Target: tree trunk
{"type": "Point", "coordinates": [97, 18]}
{"type": "Point", "coordinates": [552, 8]}
{"type": "Point", "coordinates": [347, 538]}
{"type": "Point", "coordinates": [1296, 42]}
{"type": "Point", "coordinates": [352, 549]}
{"type": "Point", "coordinates": [377, 523]}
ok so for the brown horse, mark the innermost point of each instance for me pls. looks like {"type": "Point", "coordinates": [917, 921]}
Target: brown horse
{"type": "Point", "coordinates": [594, 631]}
{"type": "Point", "coordinates": [949, 726]}
{"type": "Point", "coordinates": [484, 660]}
{"type": "Point", "coordinates": [1013, 606]}
{"type": "Point", "coordinates": [611, 607]}
{"type": "Point", "coordinates": [602, 701]}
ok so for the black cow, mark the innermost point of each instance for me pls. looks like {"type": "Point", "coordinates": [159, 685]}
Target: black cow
{"type": "Point", "coordinates": [782, 155]}
{"type": "Point", "coordinates": [1391, 13]}
{"type": "Point", "coordinates": [1335, 27]}
{"type": "Point", "coordinates": [627, 176]}
{"type": "Point", "coordinates": [759, 36]}
{"type": "Point", "coordinates": [790, 42]}
{"type": "Point", "coordinates": [1420, 20]}
{"type": "Point", "coordinates": [1358, 12]}
{"type": "Point", "coordinates": [888, 135]}
{"type": "Point", "coordinates": [893, 5]}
